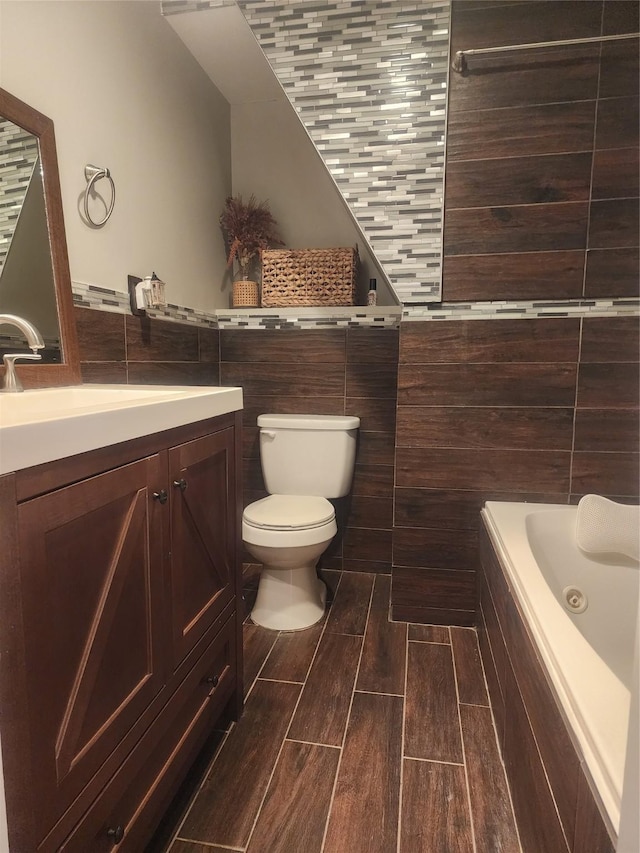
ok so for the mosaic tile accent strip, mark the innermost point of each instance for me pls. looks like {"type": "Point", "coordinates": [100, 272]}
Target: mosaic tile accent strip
{"type": "Point", "coordinates": [18, 342]}
{"type": "Point", "coordinates": [504, 310]}
{"type": "Point", "coordinates": [387, 316]}
{"type": "Point", "coordinates": [309, 318]}
{"type": "Point", "coordinates": [18, 155]}
{"type": "Point", "coordinates": [104, 299]}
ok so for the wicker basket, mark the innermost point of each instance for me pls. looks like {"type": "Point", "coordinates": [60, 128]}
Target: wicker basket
{"type": "Point", "coordinates": [300, 277]}
{"type": "Point", "coordinates": [245, 294]}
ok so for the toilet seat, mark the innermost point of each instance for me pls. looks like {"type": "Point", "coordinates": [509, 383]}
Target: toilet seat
{"type": "Point", "coordinates": [281, 521]}
{"type": "Point", "coordinates": [289, 512]}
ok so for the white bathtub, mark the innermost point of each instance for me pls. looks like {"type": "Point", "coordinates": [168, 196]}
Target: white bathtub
{"type": "Point", "coordinates": [589, 656]}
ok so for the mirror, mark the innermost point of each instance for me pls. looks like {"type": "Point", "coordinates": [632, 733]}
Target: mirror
{"type": "Point", "coordinates": [34, 268]}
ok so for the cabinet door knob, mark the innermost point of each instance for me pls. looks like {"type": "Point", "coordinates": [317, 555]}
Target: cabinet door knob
{"type": "Point", "coordinates": [180, 484]}
{"type": "Point", "coordinates": [161, 496]}
{"type": "Point", "coordinates": [212, 680]}
{"type": "Point", "coordinates": [116, 833]}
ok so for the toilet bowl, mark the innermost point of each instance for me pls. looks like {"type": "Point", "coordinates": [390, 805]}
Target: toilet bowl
{"type": "Point", "coordinates": [287, 535]}
{"type": "Point", "coordinates": [305, 460]}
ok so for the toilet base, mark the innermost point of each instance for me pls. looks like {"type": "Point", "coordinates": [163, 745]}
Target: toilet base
{"type": "Point", "coordinates": [289, 599]}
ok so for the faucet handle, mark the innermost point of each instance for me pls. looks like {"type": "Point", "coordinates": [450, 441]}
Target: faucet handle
{"type": "Point", "coordinates": [11, 383]}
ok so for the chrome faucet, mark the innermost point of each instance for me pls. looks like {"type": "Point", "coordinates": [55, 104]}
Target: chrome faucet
{"type": "Point", "coordinates": [11, 383]}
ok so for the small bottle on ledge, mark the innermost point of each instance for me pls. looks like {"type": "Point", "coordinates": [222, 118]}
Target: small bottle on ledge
{"type": "Point", "coordinates": [372, 295]}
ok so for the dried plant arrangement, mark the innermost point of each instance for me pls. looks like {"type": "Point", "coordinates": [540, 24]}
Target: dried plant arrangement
{"type": "Point", "coordinates": [248, 228]}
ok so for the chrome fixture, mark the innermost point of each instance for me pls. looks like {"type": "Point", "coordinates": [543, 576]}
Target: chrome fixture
{"type": "Point", "coordinates": [11, 383]}
{"type": "Point", "coordinates": [92, 175]}
{"type": "Point", "coordinates": [459, 63]}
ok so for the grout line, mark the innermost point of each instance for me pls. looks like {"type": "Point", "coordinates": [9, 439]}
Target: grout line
{"type": "Point", "coordinates": [377, 693]}
{"type": "Point", "coordinates": [284, 740]}
{"type": "Point", "coordinates": [200, 786]}
{"type": "Point", "coordinates": [429, 642]}
{"type": "Point", "coordinates": [257, 677]}
{"type": "Point", "coordinates": [312, 743]}
{"type": "Point", "coordinates": [566, 153]}
{"type": "Point", "coordinates": [344, 386]}
{"type": "Point", "coordinates": [433, 761]}
{"type": "Point", "coordinates": [548, 204]}
{"type": "Point", "coordinates": [271, 775]}
{"type": "Point", "coordinates": [526, 106]}
{"type": "Point", "coordinates": [464, 752]}
{"type": "Point", "coordinates": [279, 680]}
{"type": "Point", "coordinates": [523, 204]}
{"type": "Point", "coordinates": [346, 727]}
{"type": "Point", "coordinates": [531, 252]}
{"type": "Point", "coordinates": [213, 846]}
{"type": "Point", "coordinates": [593, 163]}
{"type": "Point", "coordinates": [402, 745]}
{"type": "Point", "coordinates": [575, 406]}
{"type": "Point", "coordinates": [493, 719]}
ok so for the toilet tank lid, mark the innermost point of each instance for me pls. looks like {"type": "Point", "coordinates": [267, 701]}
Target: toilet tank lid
{"type": "Point", "coordinates": [340, 422]}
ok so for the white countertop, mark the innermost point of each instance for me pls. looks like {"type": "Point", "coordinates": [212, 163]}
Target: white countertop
{"type": "Point", "coordinates": [52, 423]}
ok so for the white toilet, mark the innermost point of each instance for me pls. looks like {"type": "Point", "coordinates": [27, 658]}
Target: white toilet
{"type": "Point", "coordinates": [305, 460]}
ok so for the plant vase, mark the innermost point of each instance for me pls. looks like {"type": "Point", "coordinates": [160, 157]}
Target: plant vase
{"type": "Point", "coordinates": [246, 294]}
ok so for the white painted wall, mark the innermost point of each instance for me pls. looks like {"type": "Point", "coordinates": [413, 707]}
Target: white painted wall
{"type": "Point", "coordinates": [274, 158]}
{"type": "Point", "coordinates": [124, 92]}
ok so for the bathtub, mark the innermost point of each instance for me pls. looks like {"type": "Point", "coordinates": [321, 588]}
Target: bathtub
{"type": "Point", "coordinates": [588, 655]}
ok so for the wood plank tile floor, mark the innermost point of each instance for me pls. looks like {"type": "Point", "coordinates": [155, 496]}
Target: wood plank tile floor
{"type": "Point", "coordinates": [359, 735]}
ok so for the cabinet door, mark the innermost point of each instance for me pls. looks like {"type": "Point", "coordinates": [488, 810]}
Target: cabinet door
{"type": "Point", "coordinates": [202, 535]}
{"type": "Point", "coordinates": [136, 797]}
{"type": "Point", "coordinates": [91, 582]}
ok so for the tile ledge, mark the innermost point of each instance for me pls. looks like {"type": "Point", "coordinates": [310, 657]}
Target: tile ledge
{"type": "Point", "coordinates": [383, 316]}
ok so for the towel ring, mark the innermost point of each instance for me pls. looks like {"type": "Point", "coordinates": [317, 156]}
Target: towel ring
{"type": "Point", "coordinates": [93, 174]}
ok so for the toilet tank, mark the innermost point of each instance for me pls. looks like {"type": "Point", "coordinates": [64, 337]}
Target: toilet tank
{"type": "Point", "coordinates": [308, 454]}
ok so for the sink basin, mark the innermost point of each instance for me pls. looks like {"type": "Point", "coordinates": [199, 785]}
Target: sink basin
{"type": "Point", "coordinates": [41, 425]}
{"type": "Point", "coordinates": [60, 402]}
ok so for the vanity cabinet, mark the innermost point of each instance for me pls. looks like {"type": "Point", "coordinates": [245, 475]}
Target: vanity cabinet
{"type": "Point", "coordinates": [120, 632]}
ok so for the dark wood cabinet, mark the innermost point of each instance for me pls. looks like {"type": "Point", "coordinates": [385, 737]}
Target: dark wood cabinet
{"type": "Point", "coordinates": [92, 584]}
{"type": "Point", "coordinates": [202, 535]}
{"type": "Point", "coordinates": [119, 632]}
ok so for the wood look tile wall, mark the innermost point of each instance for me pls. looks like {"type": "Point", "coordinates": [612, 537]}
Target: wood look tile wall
{"type": "Point", "coordinates": [541, 182]}
{"type": "Point", "coordinates": [538, 410]}
{"type": "Point", "coordinates": [541, 410]}
{"type": "Point", "coordinates": [116, 348]}
{"type": "Point", "coordinates": [331, 372]}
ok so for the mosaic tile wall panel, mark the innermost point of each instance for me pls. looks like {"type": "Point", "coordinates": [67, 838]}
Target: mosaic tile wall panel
{"type": "Point", "coordinates": [18, 153]}
{"type": "Point", "coordinates": [368, 80]}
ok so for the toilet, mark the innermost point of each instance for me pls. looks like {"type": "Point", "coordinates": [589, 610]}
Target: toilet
{"type": "Point", "coordinates": [305, 460]}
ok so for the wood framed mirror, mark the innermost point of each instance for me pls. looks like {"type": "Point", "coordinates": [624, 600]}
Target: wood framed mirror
{"type": "Point", "coordinates": [35, 282]}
